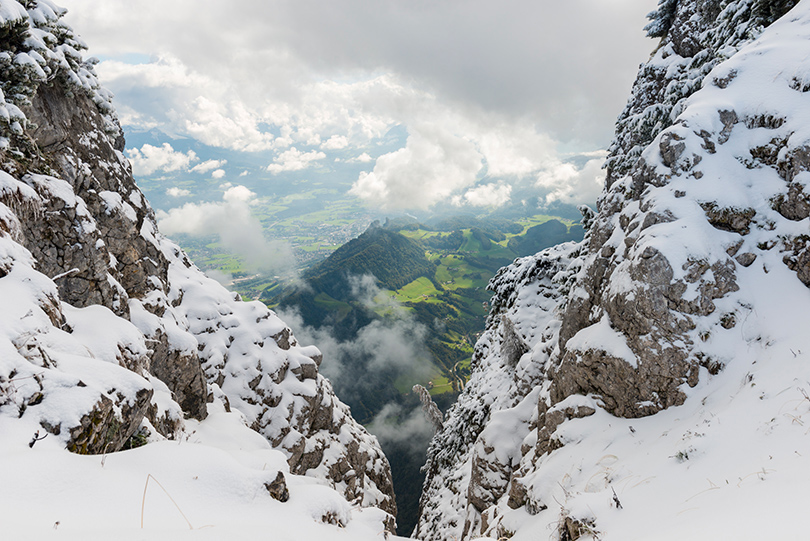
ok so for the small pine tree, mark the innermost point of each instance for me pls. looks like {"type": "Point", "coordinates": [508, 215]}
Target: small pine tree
{"type": "Point", "coordinates": [661, 19]}
{"type": "Point", "coordinates": [768, 11]}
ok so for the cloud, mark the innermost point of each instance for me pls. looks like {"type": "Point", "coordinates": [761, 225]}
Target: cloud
{"type": "Point", "coordinates": [296, 76]}
{"type": "Point", "coordinates": [231, 220]}
{"type": "Point", "coordinates": [177, 192]}
{"type": "Point", "coordinates": [169, 94]}
{"type": "Point", "coordinates": [487, 195]}
{"type": "Point", "coordinates": [394, 425]}
{"type": "Point", "coordinates": [591, 154]}
{"type": "Point", "coordinates": [223, 278]}
{"type": "Point", "coordinates": [379, 353]}
{"type": "Point", "coordinates": [496, 57]}
{"type": "Point", "coordinates": [207, 165]}
{"type": "Point", "coordinates": [294, 160]}
{"type": "Point", "coordinates": [394, 344]}
{"type": "Point", "coordinates": [150, 159]}
{"type": "Point", "coordinates": [237, 194]}
{"type": "Point", "coordinates": [515, 149]}
{"type": "Point", "coordinates": [362, 158]}
{"type": "Point", "coordinates": [336, 142]}
{"type": "Point", "coordinates": [432, 165]}
{"type": "Point", "coordinates": [568, 184]}
{"type": "Point", "coordinates": [219, 173]}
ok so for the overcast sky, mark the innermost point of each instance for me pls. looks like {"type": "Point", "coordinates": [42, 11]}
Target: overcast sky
{"type": "Point", "coordinates": [490, 92]}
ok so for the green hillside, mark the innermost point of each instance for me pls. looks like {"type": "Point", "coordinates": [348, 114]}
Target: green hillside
{"type": "Point", "coordinates": [329, 294]}
{"type": "Point", "coordinates": [437, 271]}
{"type": "Point", "coordinates": [394, 260]}
{"type": "Point", "coordinates": [543, 236]}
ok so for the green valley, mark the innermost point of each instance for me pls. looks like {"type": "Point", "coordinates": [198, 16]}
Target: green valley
{"type": "Point", "coordinates": [435, 272]}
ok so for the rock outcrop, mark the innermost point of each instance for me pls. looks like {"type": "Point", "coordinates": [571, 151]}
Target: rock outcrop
{"type": "Point", "coordinates": [106, 326]}
{"type": "Point", "coordinates": [687, 282]}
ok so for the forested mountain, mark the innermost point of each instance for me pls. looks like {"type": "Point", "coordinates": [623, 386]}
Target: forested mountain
{"type": "Point", "coordinates": [544, 236]}
{"type": "Point", "coordinates": [390, 258]}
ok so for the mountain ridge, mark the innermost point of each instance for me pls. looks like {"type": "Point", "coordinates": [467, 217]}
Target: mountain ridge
{"type": "Point", "coordinates": [624, 384]}
{"type": "Point", "coordinates": [80, 252]}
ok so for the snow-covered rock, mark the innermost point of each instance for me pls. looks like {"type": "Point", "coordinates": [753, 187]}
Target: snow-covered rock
{"type": "Point", "coordinates": [107, 331]}
{"type": "Point", "coordinates": [663, 383]}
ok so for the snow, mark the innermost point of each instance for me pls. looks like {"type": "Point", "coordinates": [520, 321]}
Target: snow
{"type": "Point", "coordinates": [601, 336]}
{"type": "Point", "coordinates": [731, 462]}
{"type": "Point", "coordinates": [118, 333]}
{"type": "Point", "coordinates": [115, 203]}
{"type": "Point", "coordinates": [10, 186]}
{"type": "Point", "coordinates": [207, 486]}
{"type": "Point", "coordinates": [735, 449]}
{"type": "Point", "coordinates": [11, 11]}
{"type": "Point", "coordinates": [66, 370]}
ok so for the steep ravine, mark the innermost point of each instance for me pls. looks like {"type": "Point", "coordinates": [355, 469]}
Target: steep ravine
{"type": "Point", "coordinates": [651, 381]}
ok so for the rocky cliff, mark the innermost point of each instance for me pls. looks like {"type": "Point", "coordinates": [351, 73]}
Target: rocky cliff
{"type": "Point", "coordinates": [107, 330]}
{"type": "Point", "coordinates": [650, 381]}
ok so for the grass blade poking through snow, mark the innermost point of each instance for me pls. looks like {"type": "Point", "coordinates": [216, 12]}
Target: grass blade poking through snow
{"type": "Point", "coordinates": [143, 501]}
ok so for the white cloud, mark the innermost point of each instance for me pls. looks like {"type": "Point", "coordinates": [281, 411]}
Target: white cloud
{"type": "Point", "coordinates": [149, 159]}
{"type": "Point", "coordinates": [168, 94]}
{"type": "Point", "coordinates": [571, 185]}
{"type": "Point", "coordinates": [207, 165]}
{"type": "Point", "coordinates": [219, 173]}
{"type": "Point", "coordinates": [237, 229]}
{"type": "Point", "coordinates": [177, 192]}
{"type": "Point", "coordinates": [396, 343]}
{"type": "Point", "coordinates": [238, 194]}
{"type": "Point", "coordinates": [294, 160]}
{"type": "Point", "coordinates": [591, 154]}
{"type": "Point", "coordinates": [358, 69]}
{"type": "Point", "coordinates": [362, 158]}
{"type": "Point", "coordinates": [495, 59]}
{"type": "Point", "coordinates": [487, 195]}
{"type": "Point", "coordinates": [227, 124]}
{"type": "Point", "coordinates": [243, 174]}
{"type": "Point", "coordinates": [223, 278]}
{"type": "Point", "coordinates": [336, 142]}
{"type": "Point", "coordinates": [394, 425]}
{"type": "Point", "coordinates": [516, 149]}
{"type": "Point", "coordinates": [432, 165]}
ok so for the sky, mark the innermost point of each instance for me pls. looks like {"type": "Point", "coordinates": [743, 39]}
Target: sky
{"type": "Point", "coordinates": [488, 95]}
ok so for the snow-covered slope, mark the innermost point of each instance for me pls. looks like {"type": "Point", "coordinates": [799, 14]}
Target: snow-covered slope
{"type": "Point", "coordinates": [652, 382]}
{"type": "Point", "coordinates": [110, 336]}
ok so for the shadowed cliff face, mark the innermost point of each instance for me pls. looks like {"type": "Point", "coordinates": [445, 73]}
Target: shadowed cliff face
{"type": "Point", "coordinates": [110, 318]}
{"type": "Point", "coordinates": [705, 209]}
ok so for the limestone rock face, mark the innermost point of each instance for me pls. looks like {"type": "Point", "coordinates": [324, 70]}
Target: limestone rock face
{"type": "Point", "coordinates": [703, 210]}
{"type": "Point", "coordinates": [107, 327]}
